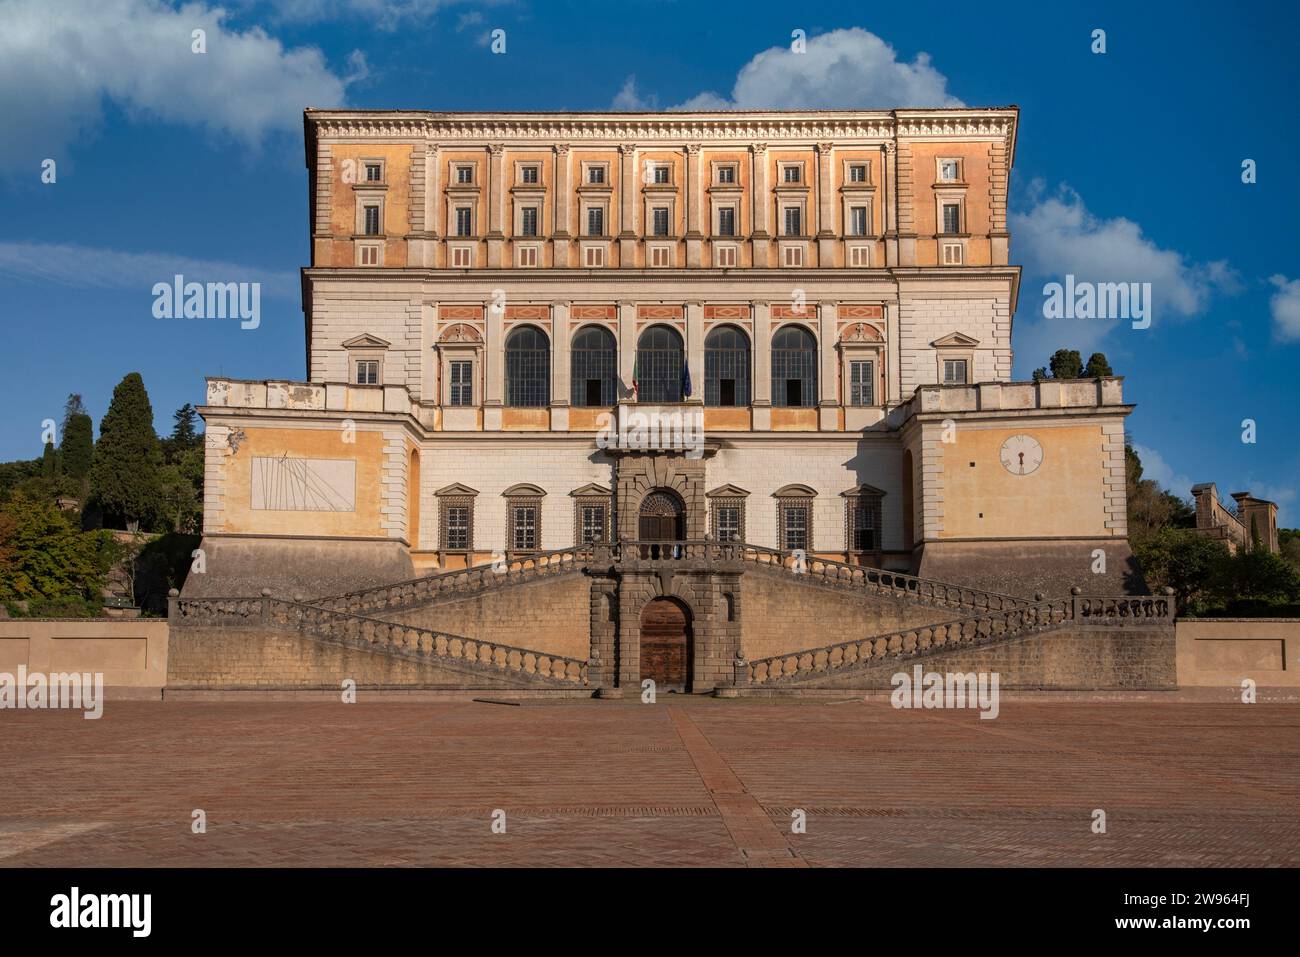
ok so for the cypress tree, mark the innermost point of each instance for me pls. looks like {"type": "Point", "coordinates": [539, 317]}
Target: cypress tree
{"type": "Point", "coordinates": [124, 472]}
{"type": "Point", "coordinates": [78, 448]}
{"type": "Point", "coordinates": [49, 462]}
{"type": "Point", "coordinates": [1097, 366]}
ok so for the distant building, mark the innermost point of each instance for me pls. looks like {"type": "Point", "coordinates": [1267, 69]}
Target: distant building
{"type": "Point", "coordinates": [1253, 520]}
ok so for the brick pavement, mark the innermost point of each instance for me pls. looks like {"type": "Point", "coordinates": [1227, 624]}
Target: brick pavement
{"type": "Point", "coordinates": [683, 782]}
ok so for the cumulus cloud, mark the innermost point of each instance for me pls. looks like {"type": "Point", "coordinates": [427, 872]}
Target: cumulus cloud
{"type": "Point", "coordinates": [1055, 235]}
{"type": "Point", "coordinates": [59, 63]}
{"type": "Point", "coordinates": [1155, 467]}
{"type": "Point", "coordinates": [1285, 306]}
{"type": "Point", "coordinates": [382, 14]}
{"type": "Point", "coordinates": [849, 69]}
{"type": "Point", "coordinates": [68, 264]}
{"type": "Point", "coordinates": [630, 98]}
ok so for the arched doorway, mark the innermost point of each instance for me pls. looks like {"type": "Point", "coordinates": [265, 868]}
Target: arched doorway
{"type": "Point", "coordinates": [667, 644]}
{"type": "Point", "coordinates": [662, 518]}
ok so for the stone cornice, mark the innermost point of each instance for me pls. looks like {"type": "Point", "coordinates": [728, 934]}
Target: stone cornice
{"type": "Point", "coordinates": [826, 126]}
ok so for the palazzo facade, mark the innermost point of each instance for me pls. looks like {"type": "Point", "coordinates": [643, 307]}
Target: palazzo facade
{"type": "Point", "coordinates": [530, 331]}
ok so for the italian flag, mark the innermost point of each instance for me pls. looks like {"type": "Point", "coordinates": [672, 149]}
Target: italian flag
{"type": "Point", "coordinates": [635, 384]}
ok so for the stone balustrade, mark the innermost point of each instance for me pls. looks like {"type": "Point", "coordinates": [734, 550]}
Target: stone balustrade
{"type": "Point", "coordinates": [394, 638]}
{"type": "Point", "coordinates": [1047, 394]}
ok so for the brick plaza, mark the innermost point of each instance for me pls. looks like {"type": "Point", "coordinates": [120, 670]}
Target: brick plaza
{"type": "Point", "coordinates": [687, 781]}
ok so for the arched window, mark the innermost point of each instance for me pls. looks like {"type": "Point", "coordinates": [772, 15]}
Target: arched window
{"type": "Point", "coordinates": [528, 368]}
{"type": "Point", "coordinates": [659, 363]}
{"type": "Point", "coordinates": [593, 368]}
{"type": "Point", "coordinates": [726, 367]}
{"type": "Point", "coordinates": [794, 368]}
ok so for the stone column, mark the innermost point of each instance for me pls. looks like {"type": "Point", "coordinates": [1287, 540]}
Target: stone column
{"type": "Point", "coordinates": [627, 181]}
{"type": "Point", "coordinates": [432, 184]}
{"type": "Point", "coordinates": [825, 205]}
{"type": "Point", "coordinates": [695, 347]}
{"type": "Point", "coordinates": [694, 197]}
{"type": "Point", "coordinates": [496, 205]}
{"type": "Point", "coordinates": [626, 344]}
{"type": "Point", "coordinates": [560, 366]}
{"type": "Point", "coordinates": [562, 185]}
{"type": "Point", "coordinates": [761, 197]}
{"type": "Point", "coordinates": [762, 372]}
{"type": "Point", "coordinates": [893, 355]}
{"type": "Point", "coordinates": [494, 365]}
{"type": "Point", "coordinates": [828, 372]}
{"type": "Point", "coordinates": [889, 191]}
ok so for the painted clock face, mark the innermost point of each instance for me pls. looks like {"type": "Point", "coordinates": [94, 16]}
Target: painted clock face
{"type": "Point", "coordinates": [1021, 454]}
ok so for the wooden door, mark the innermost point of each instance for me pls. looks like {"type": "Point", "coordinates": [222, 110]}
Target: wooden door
{"type": "Point", "coordinates": [665, 645]}
{"type": "Point", "coordinates": [658, 528]}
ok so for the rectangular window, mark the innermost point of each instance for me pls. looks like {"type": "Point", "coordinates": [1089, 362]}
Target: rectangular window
{"type": "Point", "coordinates": [661, 174]}
{"type": "Point", "coordinates": [858, 221]}
{"type": "Point", "coordinates": [374, 173]}
{"type": "Point", "coordinates": [593, 524]}
{"type": "Point", "coordinates": [465, 174]}
{"type": "Point", "coordinates": [457, 530]}
{"type": "Point", "coordinates": [859, 255]}
{"type": "Point", "coordinates": [954, 371]}
{"type": "Point", "coordinates": [726, 174]}
{"type": "Point", "coordinates": [596, 221]}
{"type": "Point", "coordinates": [862, 529]}
{"type": "Point", "coordinates": [727, 221]}
{"type": "Point", "coordinates": [952, 217]}
{"type": "Point", "coordinates": [862, 383]}
{"type": "Point", "coordinates": [726, 256]}
{"type": "Point", "coordinates": [794, 527]}
{"type": "Point", "coordinates": [858, 173]}
{"type": "Point", "coordinates": [793, 256]}
{"type": "Point", "coordinates": [528, 256]}
{"type": "Point", "coordinates": [727, 392]}
{"type": "Point", "coordinates": [661, 256]}
{"type": "Point", "coordinates": [523, 527]}
{"type": "Point", "coordinates": [528, 221]}
{"type": "Point", "coordinates": [726, 523]}
{"type": "Point", "coordinates": [793, 221]}
{"type": "Point", "coordinates": [371, 227]}
{"type": "Point", "coordinates": [367, 372]}
{"type": "Point", "coordinates": [595, 257]}
{"type": "Point", "coordinates": [660, 220]}
{"type": "Point", "coordinates": [464, 221]}
{"type": "Point", "coordinates": [790, 174]}
{"type": "Point", "coordinates": [462, 383]}
{"type": "Point", "coordinates": [596, 175]}
{"type": "Point", "coordinates": [793, 393]}
{"type": "Point", "coordinates": [462, 257]}
{"type": "Point", "coordinates": [952, 254]}
{"type": "Point", "coordinates": [370, 255]}
{"type": "Point", "coordinates": [948, 171]}
{"type": "Point", "coordinates": [528, 174]}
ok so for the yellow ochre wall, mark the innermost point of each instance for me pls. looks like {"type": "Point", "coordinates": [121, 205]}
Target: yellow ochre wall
{"type": "Point", "coordinates": [367, 451]}
{"type": "Point", "coordinates": [1064, 497]}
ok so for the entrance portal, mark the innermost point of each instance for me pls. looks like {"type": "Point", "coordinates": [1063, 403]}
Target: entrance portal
{"type": "Point", "coordinates": [666, 644]}
{"type": "Point", "coordinates": [662, 518]}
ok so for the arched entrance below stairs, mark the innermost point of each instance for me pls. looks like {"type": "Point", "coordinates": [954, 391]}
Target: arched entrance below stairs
{"type": "Point", "coordinates": [667, 644]}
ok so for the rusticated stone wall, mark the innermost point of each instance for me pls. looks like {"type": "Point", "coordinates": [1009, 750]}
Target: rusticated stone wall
{"type": "Point", "coordinates": [235, 658]}
{"type": "Point", "coordinates": [550, 615]}
{"type": "Point", "coordinates": [784, 613]}
{"type": "Point", "coordinates": [1070, 658]}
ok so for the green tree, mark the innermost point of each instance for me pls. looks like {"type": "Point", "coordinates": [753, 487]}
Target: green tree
{"type": "Point", "coordinates": [49, 462]}
{"type": "Point", "coordinates": [1256, 577]}
{"type": "Point", "coordinates": [78, 449]}
{"type": "Point", "coordinates": [1040, 373]}
{"type": "Point", "coordinates": [1066, 364]}
{"type": "Point", "coordinates": [1097, 366]}
{"type": "Point", "coordinates": [44, 558]}
{"type": "Point", "coordinates": [124, 474]}
{"type": "Point", "coordinates": [1189, 563]}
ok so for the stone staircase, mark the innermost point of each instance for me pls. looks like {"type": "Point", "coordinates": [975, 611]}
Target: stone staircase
{"type": "Point", "coordinates": [855, 657]}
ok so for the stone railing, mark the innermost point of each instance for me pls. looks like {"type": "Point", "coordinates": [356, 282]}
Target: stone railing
{"type": "Point", "coordinates": [392, 638]}
{"type": "Point", "coordinates": [882, 582]}
{"type": "Point", "coordinates": [951, 635]}
{"type": "Point", "coordinates": [418, 591]}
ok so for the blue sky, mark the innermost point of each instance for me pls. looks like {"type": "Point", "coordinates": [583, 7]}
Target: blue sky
{"type": "Point", "coordinates": [1128, 168]}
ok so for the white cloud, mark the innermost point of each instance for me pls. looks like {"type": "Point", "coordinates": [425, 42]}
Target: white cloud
{"type": "Point", "coordinates": [1285, 306]}
{"type": "Point", "coordinates": [844, 69]}
{"type": "Point", "coordinates": [67, 264]}
{"type": "Point", "coordinates": [1056, 234]}
{"type": "Point", "coordinates": [629, 98]}
{"type": "Point", "coordinates": [60, 61]}
{"type": "Point", "coordinates": [1155, 467]}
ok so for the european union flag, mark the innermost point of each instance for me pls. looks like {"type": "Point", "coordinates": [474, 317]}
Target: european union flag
{"type": "Point", "coordinates": [686, 379]}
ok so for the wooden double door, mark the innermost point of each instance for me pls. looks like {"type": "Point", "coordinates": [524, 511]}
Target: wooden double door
{"type": "Point", "coordinates": [666, 645]}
